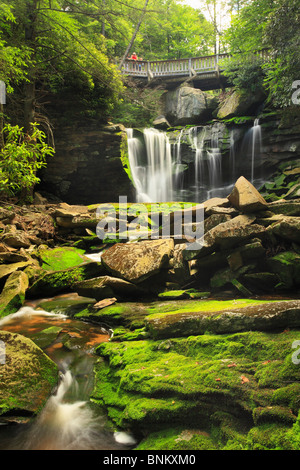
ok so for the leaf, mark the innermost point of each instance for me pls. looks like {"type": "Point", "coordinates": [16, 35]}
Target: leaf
{"type": "Point", "coordinates": [244, 379]}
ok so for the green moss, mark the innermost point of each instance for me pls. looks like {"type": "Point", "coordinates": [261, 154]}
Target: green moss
{"type": "Point", "coordinates": [124, 155]}
{"type": "Point", "coordinates": [53, 282]}
{"type": "Point", "coordinates": [60, 258]}
{"type": "Point", "coordinates": [178, 439]}
{"type": "Point", "coordinates": [205, 379]}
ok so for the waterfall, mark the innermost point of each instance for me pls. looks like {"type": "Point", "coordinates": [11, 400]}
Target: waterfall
{"type": "Point", "coordinates": [154, 180]}
{"type": "Point", "coordinates": [197, 142]}
{"type": "Point", "coordinates": [252, 149]}
{"type": "Point", "coordinates": [192, 164]}
{"type": "Point", "coordinates": [256, 145]}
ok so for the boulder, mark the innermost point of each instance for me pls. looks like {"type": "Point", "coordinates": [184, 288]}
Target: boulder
{"type": "Point", "coordinates": [226, 235]}
{"type": "Point", "coordinates": [224, 317]}
{"type": "Point", "coordinates": [239, 104]}
{"type": "Point", "coordinates": [16, 239]}
{"type": "Point", "coordinates": [245, 197]}
{"type": "Point", "coordinates": [106, 287]}
{"type": "Point", "coordinates": [28, 376]}
{"type": "Point", "coordinates": [137, 261]}
{"type": "Point", "coordinates": [50, 283]}
{"type": "Point", "coordinates": [288, 228]}
{"type": "Point", "coordinates": [186, 105]}
{"type": "Point", "coordinates": [7, 269]}
{"type": "Point", "coordinates": [56, 259]}
{"type": "Point", "coordinates": [161, 123]}
{"type": "Point", "coordinates": [13, 294]}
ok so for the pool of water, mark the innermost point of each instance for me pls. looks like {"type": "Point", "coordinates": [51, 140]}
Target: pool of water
{"type": "Point", "coordinates": [69, 421]}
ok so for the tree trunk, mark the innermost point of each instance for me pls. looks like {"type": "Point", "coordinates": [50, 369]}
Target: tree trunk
{"type": "Point", "coordinates": [134, 35]}
{"type": "Point", "coordinates": [29, 87]}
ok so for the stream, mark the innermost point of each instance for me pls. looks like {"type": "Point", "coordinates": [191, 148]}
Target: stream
{"type": "Point", "coordinates": [68, 421]}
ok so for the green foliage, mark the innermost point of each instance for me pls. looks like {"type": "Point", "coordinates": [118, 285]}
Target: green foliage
{"type": "Point", "coordinates": [138, 108]}
{"type": "Point", "coordinates": [21, 157]}
{"type": "Point", "coordinates": [245, 72]}
{"type": "Point", "coordinates": [282, 31]}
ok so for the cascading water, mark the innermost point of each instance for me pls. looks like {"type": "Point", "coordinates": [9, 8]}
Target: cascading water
{"type": "Point", "coordinates": [193, 164]}
{"type": "Point", "coordinates": [154, 180]}
{"type": "Point", "coordinates": [252, 150]}
{"type": "Point", "coordinates": [256, 145]}
{"type": "Point", "coordinates": [67, 421]}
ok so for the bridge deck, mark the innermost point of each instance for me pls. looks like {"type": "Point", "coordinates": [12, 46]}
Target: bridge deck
{"type": "Point", "coordinates": [201, 68]}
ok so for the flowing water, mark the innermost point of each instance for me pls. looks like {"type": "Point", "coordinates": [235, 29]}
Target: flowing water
{"type": "Point", "coordinates": [209, 168]}
{"type": "Point", "coordinates": [68, 421]}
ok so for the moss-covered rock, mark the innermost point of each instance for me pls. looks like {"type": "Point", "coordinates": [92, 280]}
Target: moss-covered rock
{"type": "Point", "coordinates": [13, 294]}
{"type": "Point", "coordinates": [28, 376]}
{"type": "Point", "coordinates": [50, 283]}
{"type": "Point", "coordinates": [59, 258]}
{"type": "Point", "coordinates": [233, 384]}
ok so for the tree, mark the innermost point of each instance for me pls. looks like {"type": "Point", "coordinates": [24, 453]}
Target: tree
{"type": "Point", "coordinates": [128, 49]}
{"type": "Point", "coordinates": [283, 69]}
{"type": "Point", "coordinates": [54, 35]}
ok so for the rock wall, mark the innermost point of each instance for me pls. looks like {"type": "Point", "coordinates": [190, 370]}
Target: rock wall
{"type": "Point", "coordinates": [89, 165]}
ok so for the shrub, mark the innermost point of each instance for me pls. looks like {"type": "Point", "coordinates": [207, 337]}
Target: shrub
{"type": "Point", "coordinates": [20, 159]}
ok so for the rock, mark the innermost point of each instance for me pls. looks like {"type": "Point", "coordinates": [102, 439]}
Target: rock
{"type": "Point", "coordinates": [291, 207]}
{"type": "Point", "coordinates": [52, 283]}
{"type": "Point", "coordinates": [104, 303]}
{"type": "Point", "coordinates": [28, 376]}
{"type": "Point", "coordinates": [16, 239]}
{"type": "Point", "coordinates": [13, 294]}
{"type": "Point", "coordinates": [288, 228]}
{"type": "Point", "coordinates": [6, 215]}
{"type": "Point", "coordinates": [239, 104]}
{"type": "Point", "coordinates": [226, 235]}
{"type": "Point", "coordinates": [105, 286]}
{"type": "Point", "coordinates": [224, 317]}
{"type": "Point", "coordinates": [287, 267]}
{"type": "Point", "coordinates": [56, 259]}
{"type": "Point", "coordinates": [7, 269]}
{"type": "Point", "coordinates": [161, 123]}
{"type": "Point", "coordinates": [186, 105]}
{"type": "Point", "coordinates": [245, 197]}
{"type": "Point", "coordinates": [137, 261]}
{"type": "Point", "coordinates": [215, 202]}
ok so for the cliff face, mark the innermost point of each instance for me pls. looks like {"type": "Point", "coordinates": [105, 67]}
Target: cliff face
{"type": "Point", "coordinates": [91, 163]}
{"type": "Point", "coordinates": [87, 167]}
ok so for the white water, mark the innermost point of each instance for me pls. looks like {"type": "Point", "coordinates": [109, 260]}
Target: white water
{"type": "Point", "coordinates": [153, 180]}
{"type": "Point", "coordinates": [256, 145]}
{"type": "Point", "coordinates": [160, 172]}
{"type": "Point", "coordinates": [67, 421]}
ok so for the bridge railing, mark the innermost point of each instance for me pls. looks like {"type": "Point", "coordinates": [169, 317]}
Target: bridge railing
{"type": "Point", "coordinates": [178, 67]}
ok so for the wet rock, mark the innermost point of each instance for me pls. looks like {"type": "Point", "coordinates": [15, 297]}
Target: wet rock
{"type": "Point", "coordinates": [28, 376]}
{"type": "Point", "coordinates": [245, 197]}
{"type": "Point", "coordinates": [13, 294]}
{"type": "Point", "coordinates": [137, 261]}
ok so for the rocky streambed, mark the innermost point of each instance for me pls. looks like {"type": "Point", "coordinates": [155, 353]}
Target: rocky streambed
{"type": "Point", "coordinates": [203, 345]}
